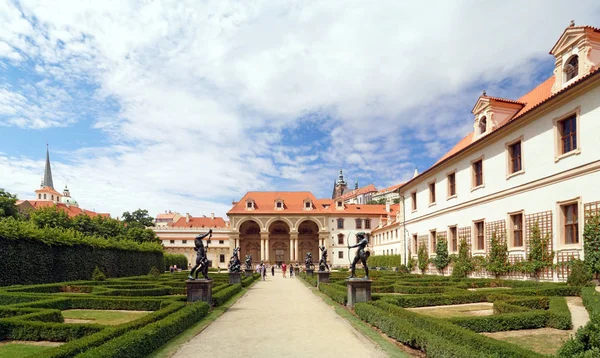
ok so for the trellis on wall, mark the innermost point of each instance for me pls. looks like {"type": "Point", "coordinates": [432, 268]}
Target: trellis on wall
{"type": "Point", "coordinates": [544, 222]}
{"type": "Point", "coordinates": [465, 233]}
{"type": "Point", "coordinates": [499, 227]}
{"type": "Point", "coordinates": [591, 209]}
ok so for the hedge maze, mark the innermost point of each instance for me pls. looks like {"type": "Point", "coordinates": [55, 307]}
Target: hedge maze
{"type": "Point", "coordinates": [34, 313]}
{"type": "Point", "coordinates": [401, 301]}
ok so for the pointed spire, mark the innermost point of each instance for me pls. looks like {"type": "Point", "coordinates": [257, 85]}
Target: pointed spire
{"type": "Point", "coordinates": [341, 178]}
{"type": "Point", "coordinates": [48, 170]}
{"type": "Point", "coordinates": [416, 173]}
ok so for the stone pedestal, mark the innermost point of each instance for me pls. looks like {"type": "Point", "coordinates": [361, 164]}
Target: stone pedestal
{"type": "Point", "coordinates": [310, 272]}
{"type": "Point", "coordinates": [199, 290]}
{"type": "Point", "coordinates": [359, 290]}
{"type": "Point", "coordinates": [248, 272]}
{"type": "Point", "coordinates": [323, 277]}
{"type": "Point", "coordinates": [235, 277]}
{"type": "Point", "coordinates": [296, 270]}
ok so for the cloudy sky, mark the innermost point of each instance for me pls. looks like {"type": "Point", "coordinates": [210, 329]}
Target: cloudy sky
{"type": "Point", "coordinates": [186, 105]}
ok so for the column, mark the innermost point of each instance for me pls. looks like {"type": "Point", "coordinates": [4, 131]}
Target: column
{"type": "Point", "coordinates": [267, 250]}
{"type": "Point", "coordinates": [262, 248]}
{"type": "Point", "coordinates": [293, 246]}
{"type": "Point", "coordinates": [264, 237]}
{"type": "Point", "coordinates": [296, 258]}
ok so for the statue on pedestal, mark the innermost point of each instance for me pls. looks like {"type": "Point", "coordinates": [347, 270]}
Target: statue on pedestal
{"type": "Point", "coordinates": [201, 259]}
{"type": "Point", "coordinates": [248, 262]}
{"type": "Point", "coordinates": [323, 262]}
{"type": "Point", "coordinates": [361, 254]}
{"type": "Point", "coordinates": [234, 261]}
{"type": "Point", "coordinates": [308, 261]}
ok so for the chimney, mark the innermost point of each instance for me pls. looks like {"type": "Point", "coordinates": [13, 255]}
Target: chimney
{"type": "Point", "coordinates": [387, 206]}
{"type": "Point", "coordinates": [212, 215]}
{"type": "Point", "coordinates": [187, 218]}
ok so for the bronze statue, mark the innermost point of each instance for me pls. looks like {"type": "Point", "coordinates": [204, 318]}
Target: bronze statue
{"type": "Point", "coordinates": [201, 259]}
{"type": "Point", "coordinates": [248, 262]}
{"type": "Point", "coordinates": [323, 262]}
{"type": "Point", "coordinates": [308, 261]}
{"type": "Point", "coordinates": [361, 254]}
{"type": "Point", "coordinates": [234, 261]}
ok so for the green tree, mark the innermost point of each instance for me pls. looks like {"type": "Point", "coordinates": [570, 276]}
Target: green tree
{"type": "Point", "coordinates": [539, 256]}
{"type": "Point", "coordinates": [463, 264]}
{"type": "Point", "coordinates": [50, 217]}
{"type": "Point", "coordinates": [423, 256]}
{"type": "Point", "coordinates": [591, 243]}
{"type": "Point", "coordinates": [396, 201]}
{"type": "Point", "coordinates": [377, 202]}
{"type": "Point", "coordinates": [497, 260]}
{"type": "Point", "coordinates": [8, 204]}
{"type": "Point", "coordinates": [441, 259]}
{"type": "Point", "coordinates": [141, 235]}
{"type": "Point", "coordinates": [107, 227]}
{"type": "Point", "coordinates": [84, 224]}
{"type": "Point", "coordinates": [139, 218]}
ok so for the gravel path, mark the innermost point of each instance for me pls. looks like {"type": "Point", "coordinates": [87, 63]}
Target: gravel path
{"type": "Point", "coordinates": [279, 317]}
{"type": "Point", "coordinates": [579, 315]}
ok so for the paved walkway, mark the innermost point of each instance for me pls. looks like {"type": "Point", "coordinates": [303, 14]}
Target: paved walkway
{"type": "Point", "coordinates": [579, 315]}
{"type": "Point", "coordinates": [279, 317]}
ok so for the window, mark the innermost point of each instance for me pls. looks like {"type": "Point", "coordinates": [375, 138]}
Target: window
{"type": "Point", "coordinates": [482, 125]}
{"type": "Point", "coordinates": [516, 163]}
{"type": "Point", "coordinates": [44, 196]}
{"type": "Point", "coordinates": [432, 193]}
{"type": "Point", "coordinates": [340, 223]}
{"type": "Point", "coordinates": [340, 254]}
{"type": "Point", "coordinates": [307, 205]}
{"type": "Point", "coordinates": [358, 223]}
{"type": "Point", "coordinates": [433, 235]}
{"type": "Point", "coordinates": [52, 197]}
{"type": "Point", "coordinates": [572, 68]}
{"type": "Point", "coordinates": [396, 233]}
{"type": "Point", "coordinates": [279, 205]}
{"type": "Point", "coordinates": [171, 241]}
{"type": "Point", "coordinates": [339, 204]}
{"type": "Point", "coordinates": [571, 223]}
{"type": "Point", "coordinates": [453, 239]}
{"type": "Point", "coordinates": [249, 205]}
{"type": "Point", "coordinates": [367, 223]}
{"type": "Point", "coordinates": [413, 197]}
{"type": "Point", "coordinates": [184, 242]}
{"type": "Point", "coordinates": [479, 235]}
{"type": "Point", "coordinates": [39, 196]}
{"type": "Point", "coordinates": [415, 243]}
{"type": "Point", "coordinates": [221, 258]}
{"type": "Point", "coordinates": [341, 239]}
{"type": "Point", "coordinates": [221, 242]}
{"type": "Point", "coordinates": [516, 221]}
{"type": "Point", "coordinates": [477, 173]}
{"type": "Point", "coordinates": [568, 134]}
{"type": "Point", "coordinates": [451, 184]}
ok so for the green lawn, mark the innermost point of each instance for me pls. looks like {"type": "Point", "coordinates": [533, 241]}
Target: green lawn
{"type": "Point", "coordinates": [18, 350]}
{"type": "Point", "coordinates": [465, 310]}
{"type": "Point", "coordinates": [106, 317]}
{"type": "Point", "coordinates": [543, 340]}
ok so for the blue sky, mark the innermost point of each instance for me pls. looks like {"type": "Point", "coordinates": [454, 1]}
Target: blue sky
{"type": "Point", "coordinates": [188, 105]}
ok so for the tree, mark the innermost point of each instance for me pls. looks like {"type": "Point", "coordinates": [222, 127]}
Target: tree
{"type": "Point", "coordinates": [441, 259]}
{"type": "Point", "coordinates": [50, 217]}
{"type": "Point", "coordinates": [138, 218]}
{"type": "Point", "coordinates": [141, 235]}
{"type": "Point", "coordinates": [396, 201]}
{"type": "Point", "coordinates": [463, 265]}
{"type": "Point", "coordinates": [8, 204]}
{"type": "Point", "coordinates": [497, 261]}
{"type": "Point", "coordinates": [377, 202]}
{"type": "Point", "coordinates": [591, 243]}
{"type": "Point", "coordinates": [423, 257]}
{"type": "Point", "coordinates": [83, 223]}
{"type": "Point", "coordinates": [539, 256]}
{"type": "Point", "coordinates": [107, 227]}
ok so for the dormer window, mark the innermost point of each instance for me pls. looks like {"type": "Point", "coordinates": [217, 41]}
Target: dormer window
{"type": "Point", "coordinates": [279, 204]}
{"type": "Point", "coordinates": [571, 68]}
{"type": "Point", "coordinates": [339, 205]}
{"type": "Point", "coordinates": [307, 204]}
{"type": "Point", "coordinates": [250, 204]}
{"type": "Point", "coordinates": [482, 125]}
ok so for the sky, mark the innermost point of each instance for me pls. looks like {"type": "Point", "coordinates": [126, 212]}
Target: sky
{"type": "Point", "coordinates": [187, 105]}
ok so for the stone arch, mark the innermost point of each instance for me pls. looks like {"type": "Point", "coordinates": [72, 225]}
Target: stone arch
{"type": "Point", "coordinates": [246, 219]}
{"type": "Point", "coordinates": [307, 218]}
{"type": "Point", "coordinates": [278, 218]}
{"type": "Point", "coordinates": [308, 240]}
{"type": "Point", "coordinates": [279, 241]}
{"type": "Point", "coordinates": [250, 240]}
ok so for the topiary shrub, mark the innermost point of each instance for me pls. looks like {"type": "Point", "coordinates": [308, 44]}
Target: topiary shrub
{"type": "Point", "coordinates": [154, 273]}
{"type": "Point", "coordinates": [497, 260]}
{"type": "Point", "coordinates": [423, 257]}
{"type": "Point", "coordinates": [580, 274]}
{"type": "Point", "coordinates": [98, 275]}
{"type": "Point", "coordinates": [441, 259]}
{"type": "Point", "coordinates": [463, 264]}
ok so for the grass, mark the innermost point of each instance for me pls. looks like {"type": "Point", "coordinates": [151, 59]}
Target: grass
{"type": "Point", "coordinates": [385, 345]}
{"type": "Point", "coordinates": [466, 310]}
{"type": "Point", "coordinates": [173, 345]}
{"type": "Point", "coordinates": [18, 350]}
{"type": "Point", "coordinates": [106, 317]}
{"type": "Point", "coordinates": [543, 340]}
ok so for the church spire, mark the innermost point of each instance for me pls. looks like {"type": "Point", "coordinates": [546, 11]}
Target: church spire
{"type": "Point", "coordinates": [48, 170]}
{"type": "Point", "coordinates": [341, 178]}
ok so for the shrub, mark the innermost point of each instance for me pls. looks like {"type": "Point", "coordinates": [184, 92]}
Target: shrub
{"type": "Point", "coordinates": [383, 261]}
{"type": "Point", "coordinates": [98, 275]}
{"type": "Point", "coordinates": [497, 261]}
{"type": "Point", "coordinates": [154, 273]}
{"type": "Point", "coordinates": [338, 295]}
{"type": "Point", "coordinates": [175, 259]}
{"type": "Point", "coordinates": [423, 257]}
{"type": "Point", "coordinates": [441, 259]}
{"type": "Point", "coordinates": [591, 243]}
{"type": "Point", "coordinates": [225, 294]}
{"type": "Point", "coordinates": [540, 256]}
{"type": "Point", "coordinates": [580, 274]}
{"type": "Point", "coordinates": [462, 263]}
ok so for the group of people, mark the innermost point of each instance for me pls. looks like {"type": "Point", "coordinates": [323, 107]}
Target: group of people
{"type": "Point", "coordinates": [262, 270]}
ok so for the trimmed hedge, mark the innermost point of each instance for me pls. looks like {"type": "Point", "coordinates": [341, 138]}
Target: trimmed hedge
{"type": "Point", "coordinates": [141, 342]}
{"type": "Point", "coordinates": [338, 295]}
{"type": "Point", "coordinates": [384, 261]}
{"type": "Point", "coordinates": [176, 259]}
{"type": "Point", "coordinates": [224, 295]}
{"type": "Point", "coordinates": [31, 255]}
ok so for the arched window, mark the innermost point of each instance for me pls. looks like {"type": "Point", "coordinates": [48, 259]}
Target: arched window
{"type": "Point", "coordinates": [52, 197]}
{"type": "Point", "coordinates": [39, 196]}
{"type": "Point", "coordinates": [572, 68]}
{"type": "Point", "coordinates": [44, 196]}
{"type": "Point", "coordinates": [482, 125]}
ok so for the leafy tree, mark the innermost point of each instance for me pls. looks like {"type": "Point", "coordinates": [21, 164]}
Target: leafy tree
{"type": "Point", "coordinates": [463, 265]}
{"type": "Point", "coordinates": [497, 261]}
{"type": "Point", "coordinates": [377, 202]}
{"type": "Point", "coordinates": [141, 235]}
{"type": "Point", "coordinates": [591, 243]}
{"type": "Point", "coordinates": [138, 218]}
{"type": "Point", "coordinates": [580, 273]}
{"type": "Point", "coordinates": [423, 256]}
{"type": "Point", "coordinates": [50, 217]}
{"type": "Point", "coordinates": [441, 259]}
{"type": "Point", "coordinates": [539, 256]}
{"type": "Point", "coordinates": [107, 227]}
{"type": "Point", "coordinates": [84, 224]}
{"type": "Point", "coordinates": [396, 201]}
{"type": "Point", "coordinates": [8, 204]}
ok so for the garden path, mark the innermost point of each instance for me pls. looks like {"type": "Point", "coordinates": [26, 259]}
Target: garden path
{"type": "Point", "coordinates": [279, 317]}
{"type": "Point", "coordinates": [579, 315]}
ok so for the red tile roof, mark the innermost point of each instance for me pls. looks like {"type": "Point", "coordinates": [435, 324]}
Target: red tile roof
{"type": "Point", "coordinates": [199, 222]}
{"type": "Point", "coordinates": [48, 189]}
{"type": "Point", "coordinates": [264, 203]}
{"type": "Point", "coordinates": [166, 216]}
{"type": "Point", "coordinates": [72, 211]}
{"type": "Point", "coordinates": [389, 189]}
{"type": "Point", "coordinates": [356, 192]}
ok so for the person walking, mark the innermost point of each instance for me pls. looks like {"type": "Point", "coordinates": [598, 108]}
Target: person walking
{"type": "Point", "coordinates": [272, 270]}
{"type": "Point", "coordinates": [283, 268]}
{"type": "Point", "coordinates": [171, 268]}
{"type": "Point", "coordinates": [291, 270]}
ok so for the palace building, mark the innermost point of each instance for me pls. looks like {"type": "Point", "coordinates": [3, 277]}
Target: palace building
{"type": "Point", "coordinates": [282, 227]}
{"type": "Point", "coordinates": [529, 162]}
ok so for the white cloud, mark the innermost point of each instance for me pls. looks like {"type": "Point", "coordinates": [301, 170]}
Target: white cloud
{"type": "Point", "coordinates": [204, 89]}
